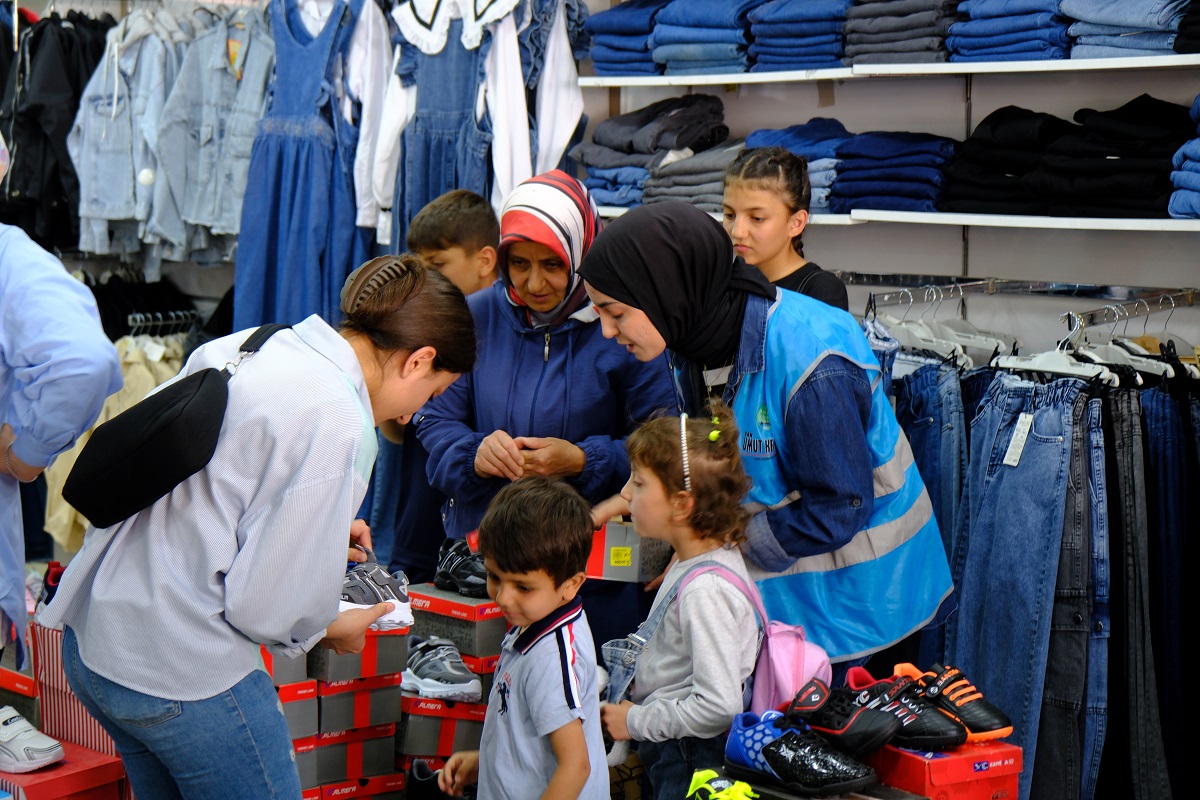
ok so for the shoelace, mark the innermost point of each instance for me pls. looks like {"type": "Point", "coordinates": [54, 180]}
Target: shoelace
{"type": "Point", "coordinates": [905, 688]}
{"type": "Point", "coordinates": [958, 690]}
{"type": "Point", "coordinates": [441, 651]}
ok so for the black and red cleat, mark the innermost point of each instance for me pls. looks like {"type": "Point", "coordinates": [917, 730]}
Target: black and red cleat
{"type": "Point", "coordinates": [855, 730]}
{"type": "Point", "coordinates": [922, 726]}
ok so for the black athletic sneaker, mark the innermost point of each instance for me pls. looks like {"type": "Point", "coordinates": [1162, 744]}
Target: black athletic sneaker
{"type": "Point", "coordinates": [855, 730]}
{"type": "Point", "coordinates": [460, 570]}
{"type": "Point", "coordinates": [952, 694]}
{"type": "Point", "coordinates": [922, 727]}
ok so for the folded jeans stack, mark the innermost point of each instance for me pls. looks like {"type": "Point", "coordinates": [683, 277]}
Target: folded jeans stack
{"type": "Point", "coordinates": [878, 171]}
{"type": "Point", "coordinates": [798, 34]}
{"type": "Point", "coordinates": [1124, 28]}
{"type": "Point", "coordinates": [903, 32]}
{"type": "Point", "coordinates": [621, 38]}
{"type": "Point", "coordinates": [703, 37]}
{"type": "Point", "coordinates": [625, 147]}
{"type": "Point", "coordinates": [1010, 30]}
{"type": "Point", "coordinates": [1118, 165]}
{"type": "Point", "coordinates": [1185, 200]}
{"type": "Point", "coordinates": [817, 141]}
{"type": "Point", "coordinates": [986, 175]}
{"type": "Point", "coordinates": [697, 179]}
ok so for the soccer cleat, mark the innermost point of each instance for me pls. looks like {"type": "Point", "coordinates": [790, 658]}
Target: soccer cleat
{"type": "Point", "coordinates": [922, 727]}
{"type": "Point", "coordinates": [951, 693]}
{"type": "Point", "coordinates": [771, 751]}
{"type": "Point", "coordinates": [855, 730]}
{"type": "Point", "coordinates": [460, 570]}
{"type": "Point", "coordinates": [708, 785]}
{"type": "Point", "coordinates": [368, 583]}
{"type": "Point", "coordinates": [23, 748]}
{"type": "Point", "coordinates": [435, 669]}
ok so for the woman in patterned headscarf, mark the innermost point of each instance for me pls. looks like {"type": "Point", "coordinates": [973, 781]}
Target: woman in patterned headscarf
{"type": "Point", "coordinates": [548, 395]}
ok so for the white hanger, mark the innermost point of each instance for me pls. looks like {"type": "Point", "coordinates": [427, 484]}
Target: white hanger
{"type": "Point", "coordinates": [915, 335]}
{"type": "Point", "coordinates": [1057, 361]}
{"type": "Point", "coordinates": [1110, 353]}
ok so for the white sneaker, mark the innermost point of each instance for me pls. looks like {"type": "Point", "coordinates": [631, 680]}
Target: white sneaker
{"type": "Point", "coordinates": [23, 748]}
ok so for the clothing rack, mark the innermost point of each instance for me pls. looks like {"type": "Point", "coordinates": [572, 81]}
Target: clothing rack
{"type": "Point", "coordinates": [160, 324]}
{"type": "Point", "coordinates": [1129, 301]}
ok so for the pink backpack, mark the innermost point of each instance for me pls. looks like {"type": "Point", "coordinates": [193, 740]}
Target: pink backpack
{"type": "Point", "coordinates": [786, 659]}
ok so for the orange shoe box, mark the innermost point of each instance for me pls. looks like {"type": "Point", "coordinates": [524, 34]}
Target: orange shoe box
{"type": "Point", "coordinates": [980, 771]}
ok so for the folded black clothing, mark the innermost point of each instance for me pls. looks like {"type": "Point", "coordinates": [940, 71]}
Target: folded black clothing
{"type": "Point", "coordinates": [648, 123]}
{"type": "Point", "coordinates": [911, 22]}
{"type": "Point", "coordinates": [1152, 209]}
{"type": "Point", "coordinates": [964, 191]}
{"type": "Point", "coordinates": [1105, 165]}
{"type": "Point", "coordinates": [1025, 208]}
{"type": "Point", "coordinates": [1093, 145]}
{"type": "Point", "coordinates": [1187, 43]}
{"type": "Point", "coordinates": [1021, 128]}
{"type": "Point", "coordinates": [1121, 188]}
{"type": "Point", "coordinates": [910, 46]}
{"type": "Point", "coordinates": [899, 8]}
{"type": "Point", "coordinates": [900, 36]}
{"type": "Point", "coordinates": [1143, 117]}
{"type": "Point", "coordinates": [1002, 159]}
{"type": "Point", "coordinates": [922, 57]}
{"type": "Point", "coordinates": [964, 171]}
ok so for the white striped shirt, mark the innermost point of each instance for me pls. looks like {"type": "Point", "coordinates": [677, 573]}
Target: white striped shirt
{"type": "Point", "coordinates": [174, 601]}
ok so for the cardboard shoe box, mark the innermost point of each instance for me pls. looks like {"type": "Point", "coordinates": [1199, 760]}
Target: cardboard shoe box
{"type": "Point", "coordinates": [284, 670]}
{"type": "Point", "coordinates": [439, 728]}
{"type": "Point", "coordinates": [380, 787]}
{"type": "Point", "coordinates": [360, 703]}
{"type": "Point", "coordinates": [619, 554]}
{"type": "Point", "coordinates": [347, 755]}
{"type": "Point", "coordinates": [82, 774]}
{"type": "Point", "coordinates": [386, 652]}
{"type": "Point", "coordinates": [299, 701]}
{"type": "Point", "coordinates": [485, 668]}
{"type": "Point", "coordinates": [981, 771]}
{"type": "Point", "coordinates": [475, 625]}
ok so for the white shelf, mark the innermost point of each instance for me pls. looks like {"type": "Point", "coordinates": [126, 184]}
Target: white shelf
{"type": "Point", "coordinates": [895, 70]}
{"type": "Point", "coordinates": [1016, 221]}
{"type": "Point", "coordinates": [610, 212]}
{"type": "Point", "coordinates": [792, 76]}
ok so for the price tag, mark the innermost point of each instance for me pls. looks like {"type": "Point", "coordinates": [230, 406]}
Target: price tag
{"type": "Point", "coordinates": [620, 556]}
{"type": "Point", "coordinates": [1020, 435]}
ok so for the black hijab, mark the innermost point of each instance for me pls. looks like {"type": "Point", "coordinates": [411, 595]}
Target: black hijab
{"type": "Point", "coordinates": [676, 264]}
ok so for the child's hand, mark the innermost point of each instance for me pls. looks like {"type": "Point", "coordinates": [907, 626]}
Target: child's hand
{"type": "Point", "coordinates": [462, 769]}
{"type": "Point", "coordinates": [612, 717]}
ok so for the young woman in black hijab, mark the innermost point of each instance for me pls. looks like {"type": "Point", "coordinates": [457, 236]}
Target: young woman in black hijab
{"type": "Point", "coordinates": [842, 537]}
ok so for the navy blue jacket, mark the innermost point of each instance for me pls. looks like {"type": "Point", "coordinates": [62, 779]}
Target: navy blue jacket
{"type": "Point", "coordinates": [565, 382]}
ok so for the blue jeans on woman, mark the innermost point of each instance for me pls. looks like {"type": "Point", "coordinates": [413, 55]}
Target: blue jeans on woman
{"type": "Point", "coordinates": [233, 744]}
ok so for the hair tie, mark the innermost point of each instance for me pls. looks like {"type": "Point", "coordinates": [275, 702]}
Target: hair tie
{"type": "Point", "coordinates": [366, 280]}
{"type": "Point", "coordinates": [687, 473]}
{"type": "Point", "coordinates": [716, 434]}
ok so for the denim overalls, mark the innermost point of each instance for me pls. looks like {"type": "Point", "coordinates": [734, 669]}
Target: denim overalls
{"type": "Point", "coordinates": [298, 238]}
{"type": "Point", "coordinates": [444, 148]}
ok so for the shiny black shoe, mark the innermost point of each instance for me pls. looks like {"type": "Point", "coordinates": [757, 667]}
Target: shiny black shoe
{"type": "Point", "coordinates": [460, 570]}
{"type": "Point", "coordinates": [855, 730]}
{"type": "Point", "coordinates": [809, 766]}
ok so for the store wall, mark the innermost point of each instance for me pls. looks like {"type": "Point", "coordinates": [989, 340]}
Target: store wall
{"type": "Point", "coordinates": [940, 105]}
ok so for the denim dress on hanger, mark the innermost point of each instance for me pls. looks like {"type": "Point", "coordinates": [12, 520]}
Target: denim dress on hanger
{"type": "Point", "coordinates": [298, 238]}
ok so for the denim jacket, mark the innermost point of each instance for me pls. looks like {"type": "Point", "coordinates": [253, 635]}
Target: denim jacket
{"type": "Point", "coordinates": [209, 124]}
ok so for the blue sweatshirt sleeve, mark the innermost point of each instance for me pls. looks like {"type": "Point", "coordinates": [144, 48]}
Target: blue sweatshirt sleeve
{"type": "Point", "coordinates": [59, 365]}
{"type": "Point", "coordinates": [827, 422]}
{"type": "Point", "coordinates": [646, 388]}
{"type": "Point", "coordinates": [446, 426]}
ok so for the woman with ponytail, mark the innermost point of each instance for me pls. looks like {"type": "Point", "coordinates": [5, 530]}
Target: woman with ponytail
{"type": "Point", "coordinates": [165, 613]}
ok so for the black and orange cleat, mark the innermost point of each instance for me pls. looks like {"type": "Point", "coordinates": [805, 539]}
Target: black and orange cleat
{"type": "Point", "coordinates": [951, 693]}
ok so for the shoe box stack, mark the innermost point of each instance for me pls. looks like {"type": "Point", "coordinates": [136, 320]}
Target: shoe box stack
{"type": "Point", "coordinates": [90, 768]}
{"type": "Point", "coordinates": [342, 712]}
{"type": "Point", "coordinates": [436, 720]}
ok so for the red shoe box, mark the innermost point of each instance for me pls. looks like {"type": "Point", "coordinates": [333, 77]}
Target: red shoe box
{"type": "Point", "coordinates": [385, 652]}
{"type": "Point", "coordinates": [485, 668]}
{"type": "Point", "coordinates": [438, 728]}
{"type": "Point", "coordinates": [475, 625]}
{"type": "Point", "coordinates": [361, 703]}
{"type": "Point", "coordinates": [82, 774]}
{"type": "Point", "coordinates": [981, 771]}
{"type": "Point", "coordinates": [381, 787]}
{"type": "Point", "coordinates": [284, 670]}
{"type": "Point", "coordinates": [346, 755]}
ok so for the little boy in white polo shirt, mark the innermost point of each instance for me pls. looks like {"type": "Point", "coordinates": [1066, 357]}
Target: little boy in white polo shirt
{"type": "Point", "coordinates": [541, 735]}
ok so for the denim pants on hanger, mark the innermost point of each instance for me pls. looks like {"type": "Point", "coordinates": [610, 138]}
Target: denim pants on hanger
{"type": "Point", "coordinates": [1006, 546]}
{"type": "Point", "coordinates": [234, 744]}
{"type": "Point", "coordinates": [1058, 763]}
{"type": "Point", "coordinates": [1095, 698]}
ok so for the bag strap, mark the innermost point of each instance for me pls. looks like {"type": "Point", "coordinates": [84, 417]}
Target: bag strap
{"type": "Point", "coordinates": [257, 339]}
{"type": "Point", "coordinates": [731, 576]}
{"type": "Point", "coordinates": [646, 630]}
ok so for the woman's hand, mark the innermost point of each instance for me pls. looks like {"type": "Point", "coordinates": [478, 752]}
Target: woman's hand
{"type": "Point", "coordinates": [551, 458]}
{"type": "Point", "coordinates": [602, 512]}
{"type": "Point", "coordinates": [462, 769]}
{"type": "Point", "coordinates": [20, 470]}
{"type": "Point", "coordinates": [613, 716]}
{"type": "Point", "coordinates": [360, 534]}
{"type": "Point", "coordinates": [499, 456]}
{"type": "Point", "coordinates": [348, 633]}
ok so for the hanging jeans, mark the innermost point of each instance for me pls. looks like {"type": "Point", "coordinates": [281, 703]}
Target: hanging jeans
{"type": "Point", "coordinates": [1010, 524]}
{"type": "Point", "coordinates": [1058, 763]}
{"type": "Point", "coordinates": [298, 240]}
{"type": "Point", "coordinates": [1134, 762]}
{"type": "Point", "coordinates": [1096, 692]}
{"type": "Point", "coordinates": [1165, 469]}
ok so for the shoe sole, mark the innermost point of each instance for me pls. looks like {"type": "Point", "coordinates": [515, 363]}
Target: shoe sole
{"type": "Point", "coordinates": [754, 777]}
{"type": "Point", "coordinates": [399, 617]}
{"type": "Point", "coordinates": [980, 736]}
{"type": "Point", "coordinates": [9, 765]}
{"type": "Point", "coordinates": [452, 585]}
{"type": "Point", "coordinates": [435, 690]}
{"type": "Point", "coordinates": [878, 740]}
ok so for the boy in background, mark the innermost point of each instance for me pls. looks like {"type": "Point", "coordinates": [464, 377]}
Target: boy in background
{"type": "Point", "coordinates": [541, 735]}
{"type": "Point", "coordinates": [457, 234]}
